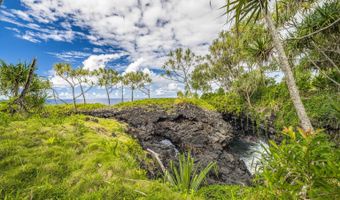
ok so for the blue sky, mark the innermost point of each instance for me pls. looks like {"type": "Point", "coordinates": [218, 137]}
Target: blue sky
{"type": "Point", "coordinates": [127, 35]}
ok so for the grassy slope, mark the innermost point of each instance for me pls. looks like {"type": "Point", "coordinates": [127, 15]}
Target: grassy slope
{"type": "Point", "coordinates": [54, 156]}
{"type": "Point", "coordinates": [71, 158]}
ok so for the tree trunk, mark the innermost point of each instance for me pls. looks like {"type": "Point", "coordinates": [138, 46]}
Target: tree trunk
{"type": "Point", "coordinates": [29, 79]}
{"type": "Point", "coordinates": [74, 99]}
{"type": "Point", "coordinates": [20, 101]}
{"type": "Point", "coordinates": [292, 87]}
{"type": "Point", "coordinates": [16, 88]}
{"type": "Point", "coordinates": [108, 95]}
{"type": "Point", "coordinates": [55, 97]}
{"type": "Point", "coordinates": [132, 94]}
{"type": "Point", "coordinates": [122, 93]}
{"type": "Point", "coordinates": [82, 93]}
{"type": "Point", "coordinates": [248, 100]}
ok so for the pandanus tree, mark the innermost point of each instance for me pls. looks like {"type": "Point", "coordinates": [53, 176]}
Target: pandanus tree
{"type": "Point", "coordinates": [252, 11]}
{"type": "Point", "coordinates": [65, 71]}
{"type": "Point", "coordinates": [136, 80]}
{"type": "Point", "coordinates": [144, 85]}
{"type": "Point", "coordinates": [22, 86]}
{"type": "Point", "coordinates": [109, 79]}
{"type": "Point", "coordinates": [122, 82]}
{"type": "Point", "coordinates": [74, 78]}
{"type": "Point", "coordinates": [83, 78]}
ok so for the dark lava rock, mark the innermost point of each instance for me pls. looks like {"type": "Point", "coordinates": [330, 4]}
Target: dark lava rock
{"type": "Point", "coordinates": [184, 128]}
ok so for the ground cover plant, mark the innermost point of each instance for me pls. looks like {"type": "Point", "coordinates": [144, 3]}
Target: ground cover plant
{"type": "Point", "coordinates": [72, 157]}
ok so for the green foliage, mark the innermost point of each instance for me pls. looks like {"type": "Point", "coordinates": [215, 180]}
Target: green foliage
{"type": "Point", "coordinates": [179, 67]}
{"type": "Point", "coordinates": [225, 103]}
{"type": "Point", "coordinates": [304, 166]}
{"type": "Point", "coordinates": [74, 77]}
{"type": "Point", "coordinates": [247, 84]}
{"type": "Point", "coordinates": [317, 38]}
{"type": "Point", "coordinates": [166, 103]}
{"type": "Point", "coordinates": [320, 108]}
{"type": "Point", "coordinates": [138, 80]}
{"type": "Point", "coordinates": [63, 109]}
{"type": "Point", "coordinates": [186, 176]}
{"type": "Point", "coordinates": [200, 78]}
{"type": "Point", "coordinates": [72, 157]}
{"type": "Point", "coordinates": [223, 192]}
{"type": "Point", "coordinates": [13, 79]}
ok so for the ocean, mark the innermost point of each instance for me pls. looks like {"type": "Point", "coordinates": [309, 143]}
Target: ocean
{"type": "Point", "coordinates": [102, 101]}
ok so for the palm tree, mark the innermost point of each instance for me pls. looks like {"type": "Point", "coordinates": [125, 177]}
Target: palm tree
{"type": "Point", "coordinates": [252, 10]}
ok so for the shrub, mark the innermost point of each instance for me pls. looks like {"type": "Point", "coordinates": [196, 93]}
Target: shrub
{"type": "Point", "coordinates": [227, 103]}
{"type": "Point", "coordinates": [305, 165]}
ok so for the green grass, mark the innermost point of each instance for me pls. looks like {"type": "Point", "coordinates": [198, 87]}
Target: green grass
{"type": "Point", "coordinates": [167, 103]}
{"type": "Point", "coordinates": [73, 157]}
{"type": "Point", "coordinates": [61, 155]}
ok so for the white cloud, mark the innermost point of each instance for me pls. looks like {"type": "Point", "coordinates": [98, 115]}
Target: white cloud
{"type": "Point", "coordinates": [135, 66]}
{"type": "Point", "coordinates": [95, 62]}
{"type": "Point", "coordinates": [146, 29]}
{"type": "Point", "coordinates": [173, 86]}
{"type": "Point", "coordinates": [57, 81]}
{"type": "Point", "coordinates": [70, 56]}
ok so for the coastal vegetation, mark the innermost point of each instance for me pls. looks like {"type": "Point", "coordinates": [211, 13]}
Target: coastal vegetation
{"type": "Point", "coordinates": [278, 65]}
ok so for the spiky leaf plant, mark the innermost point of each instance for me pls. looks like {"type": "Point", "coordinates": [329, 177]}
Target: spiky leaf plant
{"type": "Point", "coordinates": [186, 176]}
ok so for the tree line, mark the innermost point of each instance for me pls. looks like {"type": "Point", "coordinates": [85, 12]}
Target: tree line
{"type": "Point", "coordinates": [27, 91]}
{"type": "Point", "coordinates": [293, 38]}
{"type": "Point", "coordinates": [107, 78]}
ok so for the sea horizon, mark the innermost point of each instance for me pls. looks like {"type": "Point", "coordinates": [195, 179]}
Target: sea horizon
{"type": "Point", "coordinates": [98, 100]}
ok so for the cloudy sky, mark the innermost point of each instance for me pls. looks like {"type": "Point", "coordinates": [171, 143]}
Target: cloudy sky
{"type": "Point", "coordinates": [127, 35]}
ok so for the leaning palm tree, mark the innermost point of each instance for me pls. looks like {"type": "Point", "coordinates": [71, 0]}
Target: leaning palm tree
{"type": "Point", "coordinates": [252, 10]}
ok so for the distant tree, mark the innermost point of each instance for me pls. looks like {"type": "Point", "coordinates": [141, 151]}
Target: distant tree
{"type": "Point", "coordinates": [65, 71]}
{"type": "Point", "coordinates": [136, 80]}
{"type": "Point", "coordinates": [252, 10]}
{"type": "Point", "coordinates": [74, 78]}
{"type": "Point", "coordinates": [109, 79]}
{"type": "Point", "coordinates": [123, 82]}
{"type": "Point", "coordinates": [179, 67]}
{"type": "Point", "coordinates": [201, 79]}
{"type": "Point", "coordinates": [144, 84]}
{"type": "Point", "coordinates": [224, 59]}
{"type": "Point", "coordinates": [24, 88]}
{"type": "Point", "coordinates": [82, 77]}
{"type": "Point", "coordinates": [247, 84]}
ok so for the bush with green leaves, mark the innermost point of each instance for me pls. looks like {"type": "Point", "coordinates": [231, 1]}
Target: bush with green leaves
{"type": "Point", "coordinates": [15, 79]}
{"type": "Point", "coordinates": [226, 103]}
{"type": "Point", "coordinates": [186, 176]}
{"type": "Point", "coordinates": [306, 165]}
